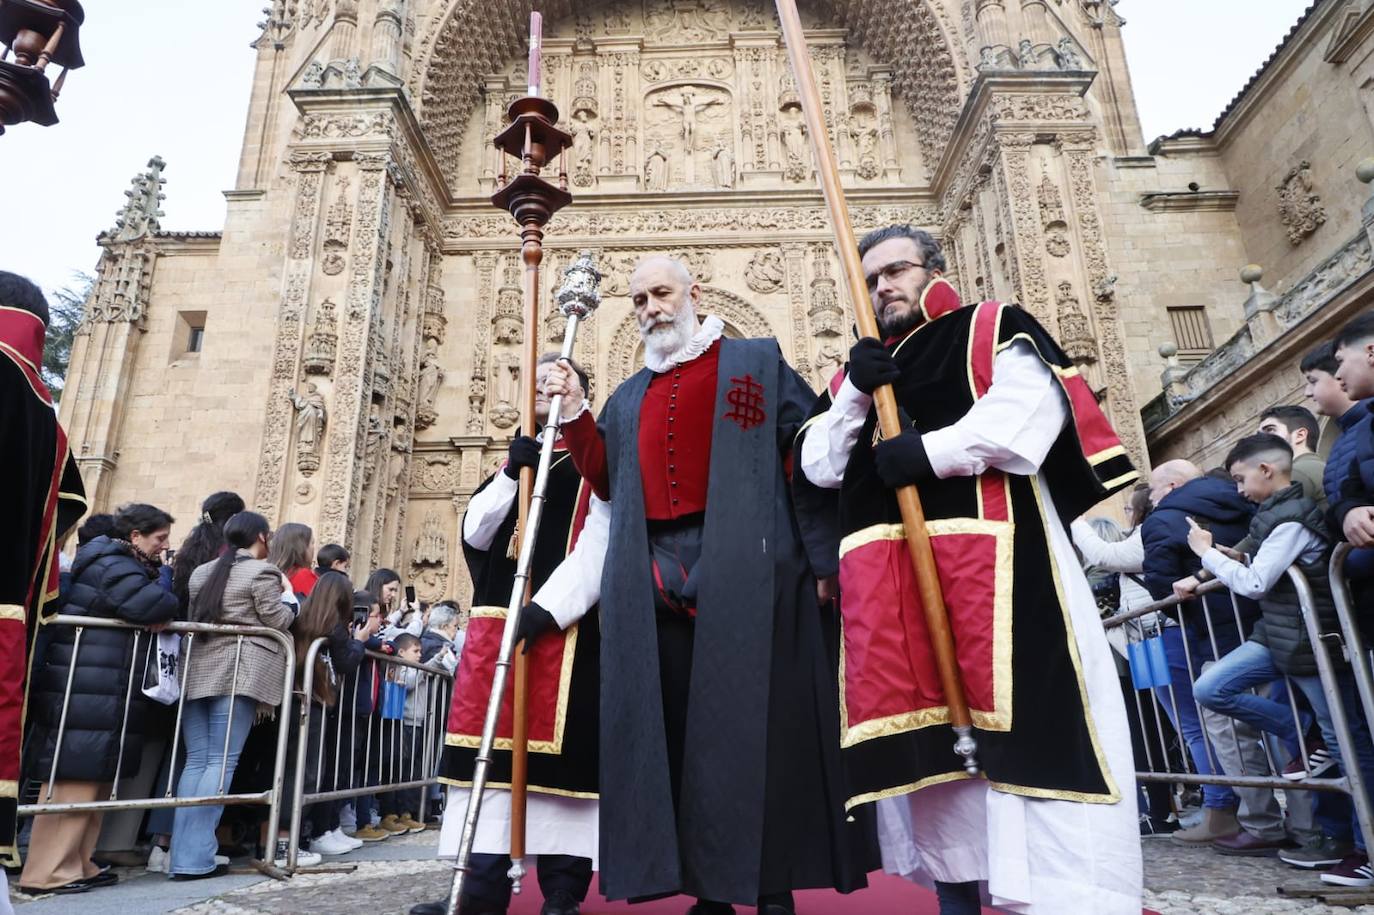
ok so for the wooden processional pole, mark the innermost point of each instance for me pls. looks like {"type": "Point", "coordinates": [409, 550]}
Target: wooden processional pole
{"type": "Point", "coordinates": [889, 425]}
{"type": "Point", "coordinates": [533, 138]}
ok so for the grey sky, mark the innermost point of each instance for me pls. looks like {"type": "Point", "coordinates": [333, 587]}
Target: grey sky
{"type": "Point", "coordinates": [172, 78]}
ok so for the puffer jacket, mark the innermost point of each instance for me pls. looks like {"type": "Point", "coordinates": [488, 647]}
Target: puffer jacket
{"type": "Point", "coordinates": [1341, 466]}
{"type": "Point", "coordinates": [1216, 505]}
{"type": "Point", "coordinates": [109, 582]}
{"type": "Point", "coordinates": [1281, 627]}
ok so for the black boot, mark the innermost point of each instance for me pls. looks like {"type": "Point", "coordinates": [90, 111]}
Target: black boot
{"type": "Point", "coordinates": [707, 907]}
{"type": "Point", "coordinates": [777, 904]}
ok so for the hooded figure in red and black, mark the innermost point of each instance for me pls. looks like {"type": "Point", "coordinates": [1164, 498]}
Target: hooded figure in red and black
{"type": "Point", "coordinates": [1005, 443]}
{"type": "Point", "coordinates": [41, 500]}
{"type": "Point", "coordinates": [720, 772]}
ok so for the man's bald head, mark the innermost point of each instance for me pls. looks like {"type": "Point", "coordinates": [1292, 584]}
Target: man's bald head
{"type": "Point", "coordinates": [1170, 475]}
{"type": "Point", "coordinates": [658, 266]}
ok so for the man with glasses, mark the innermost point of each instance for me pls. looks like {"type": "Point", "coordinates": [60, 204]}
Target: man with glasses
{"type": "Point", "coordinates": [1003, 439]}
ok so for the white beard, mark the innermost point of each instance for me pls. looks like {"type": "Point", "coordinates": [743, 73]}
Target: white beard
{"type": "Point", "coordinates": [660, 357]}
{"type": "Point", "coordinates": [661, 341]}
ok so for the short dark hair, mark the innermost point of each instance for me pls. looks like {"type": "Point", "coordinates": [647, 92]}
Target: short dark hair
{"type": "Point", "coordinates": [329, 554]}
{"type": "Point", "coordinates": [931, 255]}
{"type": "Point", "coordinates": [141, 517]}
{"type": "Point", "coordinates": [583, 378]}
{"type": "Point", "coordinates": [364, 601]}
{"type": "Point", "coordinates": [94, 526]}
{"type": "Point", "coordinates": [1257, 445]}
{"type": "Point", "coordinates": [1295, 417]}
{"type": "Point", "coordinates": [19, 292]}
{"type": "Point", "coordinates": [1357, 329]}
{"type": "Point", "coordinates": [404, 641]}
{"type": "Point", "coordinates": [1321, 358]}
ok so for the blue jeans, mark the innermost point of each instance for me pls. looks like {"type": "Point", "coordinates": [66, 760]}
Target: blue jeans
{"type": "Point", "coordinates": [204, 723]}
{"type": "Point", "coordinates": [959, 898]}
{"type": "Point", "coordinates": [1225, 688]}
{"type": "Point", "coordinates": [1186, 721]}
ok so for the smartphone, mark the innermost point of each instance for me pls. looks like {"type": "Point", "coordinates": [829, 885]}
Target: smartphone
{"type": "Point", "coordinates": [410, 595]}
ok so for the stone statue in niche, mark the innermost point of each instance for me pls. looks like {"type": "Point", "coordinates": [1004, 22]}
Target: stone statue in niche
{"type": "Point", "coordinates": [431, 546]}
{"type": "Point", "coordinates": [828, 361]}
{"type": "Point", "coordinates": [310, 422]}
{"type": "Point", "coordinates": [723, 163]}
{"type": "Point", "coordinates": [505, 408]}
{"type": "Point", "coordinates": [863, 131]}
{"type": "Point", "coordinates": [765, 272]}
{"type": "Point", "coordinates": [375, 433]}
{"type": "Point", "coordinates": [794, 148]}
{"type": "Point", "coordinates": [687, 108]}
{"type": "Point", "coordinates": [656, 169]}
{"type": "Point", "coordinates": [584, 147]}
{"type": "Point", "coordinates": [431, 376]}
{"type": "Point", "coordinates": [692, 20]}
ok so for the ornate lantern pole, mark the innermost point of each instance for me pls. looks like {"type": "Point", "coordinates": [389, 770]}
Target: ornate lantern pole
{"type": "Point", "coordinates": [534, 140]}
{"type": "Point", "coordinates": [36, 33]}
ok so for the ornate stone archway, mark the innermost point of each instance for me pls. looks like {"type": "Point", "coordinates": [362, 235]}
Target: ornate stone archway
{"type": "Point", "coordinates": [470, 39]}
{"type": "Point", "coordinates": [626, 354]}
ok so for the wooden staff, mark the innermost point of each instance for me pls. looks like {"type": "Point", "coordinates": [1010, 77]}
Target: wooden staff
{"type": "Point", "coordinates": [889, 425]}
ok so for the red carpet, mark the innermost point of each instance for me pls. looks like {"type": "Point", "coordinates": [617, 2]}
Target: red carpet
{"type": "Point", "coordinates": [886, 895]}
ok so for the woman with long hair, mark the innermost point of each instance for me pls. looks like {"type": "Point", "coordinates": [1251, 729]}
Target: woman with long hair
{"type": "Point", "coordinates": [326, 613]}
{"type": "Point", "coordinates": [385, 587]}
{"type": "Point", "coordinates": [239, 588]}
{"type": "Point", "coordinates": [204, 543]}
{"type": "Point", "coordinates": [293, 551]}
{"type": "Point", "coordinates": [114, 576]}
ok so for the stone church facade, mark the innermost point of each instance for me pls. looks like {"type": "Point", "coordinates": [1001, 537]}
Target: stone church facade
{"type": "Point", "coordinates": [345, 352]}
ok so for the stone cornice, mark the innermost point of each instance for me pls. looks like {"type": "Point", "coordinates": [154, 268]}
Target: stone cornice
{"type": "Point", "coordinates": [1190, 201]}
{"type": "Point", "coordinates": [1187, 144]}
{"type": "Point", "coordinates": [371, 120]}
{"type": "Point", "coordinates": [1033, 101]}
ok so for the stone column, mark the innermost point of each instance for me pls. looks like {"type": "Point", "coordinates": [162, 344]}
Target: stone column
{"type": "Point", "coordinates": [1023, 233]}
{"type": "Point", "coordinates": [992, 24]}
{"type": "Point", "coordinates": [344, 38]}
{"type": "Point", "coordinates": [794, 260]}
{"type": "Point", "coordinates": [344, 488]}
{"type": "Point", "coordinates": [273, 470]}
{"type": "Point", "coordinates": [386, 38]}
{"type": "Point", "coordinates": [1035, 19]}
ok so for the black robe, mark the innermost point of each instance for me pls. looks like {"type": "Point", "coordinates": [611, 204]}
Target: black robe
{"type": "Point", "coordinates": [761, 805]}
{"type": "Point", "coordinates": [41, 499]}
{"type": "Point", "coordinates": [564, 760]}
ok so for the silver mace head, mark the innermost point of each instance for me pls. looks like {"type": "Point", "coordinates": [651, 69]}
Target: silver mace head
{"type": "Point", "coordinates": [580, 293]}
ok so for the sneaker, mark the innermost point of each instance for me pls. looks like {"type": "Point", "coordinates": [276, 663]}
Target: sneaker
{"type": "Point", "coordinates": [392, 824]}
{"type": "Point", "coordinates": [1155, 828]}
{"type": "Point", "coordinates": [1353, 871]}
{"type": "Point", "coordinates": [411, 824]}
{"type": "Point", "coordinates": [157, 860]}
{"type": "Point", "coordinates": [303, 858]}
{"type": "Point", "coordinates": [1324, 853]}
{"type": "Point", "coordinates": [371, 834]}
{"type": "Point", "coordinates": [1319, 762]}
{"type": "Point", "coordinates": [353, 843]}
{"type": "Point", "coordinates": [331, 844]}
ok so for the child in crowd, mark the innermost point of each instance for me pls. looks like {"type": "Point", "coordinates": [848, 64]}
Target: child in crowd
{"type": "Point", "coordinates": [1287, 529]}
{"type": "Point", "coordinates": [401, 747]}
{"type": "Point", "coordinates": [358, 698]}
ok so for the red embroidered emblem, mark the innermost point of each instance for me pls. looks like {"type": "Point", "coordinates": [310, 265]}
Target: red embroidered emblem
{"type": "Point", "coordinates": [746, 402]}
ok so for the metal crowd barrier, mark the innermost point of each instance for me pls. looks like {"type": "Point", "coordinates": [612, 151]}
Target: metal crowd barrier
{"type": "Point", "coordinates": [407, 762]}
{"type": "Point", "coordinates": [1347, 641]}
{"type": "Point", "coordinates": [271, 798]}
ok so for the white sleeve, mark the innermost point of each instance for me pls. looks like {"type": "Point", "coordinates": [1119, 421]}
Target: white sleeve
{"type": "Point", "coordinates": [575, 586]}
{"type": "Point", "coordinates": [1010, 428]}
{"type": "Point", "coordinates": [1284, 545]}
{"type": "Point", "coordinates": [487, 509]}
{"type": "Point", "coordinates": [831, 436]}
{"type": "Point", "coordinates": [1122, 556]}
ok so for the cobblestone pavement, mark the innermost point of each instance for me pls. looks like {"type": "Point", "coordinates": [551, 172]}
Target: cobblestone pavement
{"type": "Point", "coordinates": [394, 875]}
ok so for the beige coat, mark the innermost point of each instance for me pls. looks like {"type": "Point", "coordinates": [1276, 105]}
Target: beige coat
{"type": "Point", "coordinates": [252, 597]}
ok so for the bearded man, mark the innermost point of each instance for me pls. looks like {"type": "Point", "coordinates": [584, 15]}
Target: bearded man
{"type": "Point", "coordinates": [719, 767]}
{"type": "Point", "coordinates": [1003, 439]}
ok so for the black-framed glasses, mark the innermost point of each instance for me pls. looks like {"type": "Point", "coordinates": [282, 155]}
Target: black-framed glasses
{"type": "Point", "coordinates": [891, 271]}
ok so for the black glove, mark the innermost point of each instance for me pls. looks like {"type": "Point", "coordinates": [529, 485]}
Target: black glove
{"type": "Point", "coordinates": [534, 621]}
{"type": "Point", "coordinates": [871, 366]}
{"type": "Point", "coordinates": [902, 460]}
{"type": "Point", "coordinates": [524, 452]}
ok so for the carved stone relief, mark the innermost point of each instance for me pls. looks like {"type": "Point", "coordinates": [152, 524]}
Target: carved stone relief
{"type": "Point", "coordinates": [684, 126]}
{"type": "Point", "coordinates": [1300, 210]}
{"type": "Point", "coordinates": [765, 272]}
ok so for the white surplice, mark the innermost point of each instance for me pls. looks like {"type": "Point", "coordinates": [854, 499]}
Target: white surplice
{"type": "Point", "coordinates": [1038, 857]}
{"type": "Point", "coordinates": [555, 825]}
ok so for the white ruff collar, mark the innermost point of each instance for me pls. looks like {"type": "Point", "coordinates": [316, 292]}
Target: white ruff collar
{"type": "Point", "coordinates": [708, 333]}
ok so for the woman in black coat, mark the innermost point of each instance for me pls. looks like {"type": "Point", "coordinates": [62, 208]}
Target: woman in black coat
{"type": "Point", "coordinates": [113, 577]}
